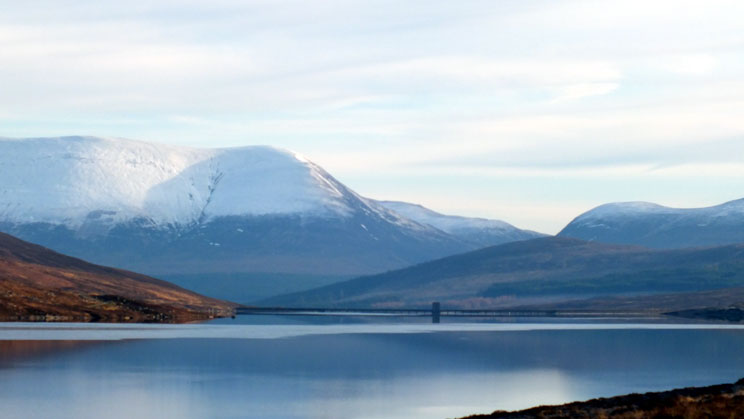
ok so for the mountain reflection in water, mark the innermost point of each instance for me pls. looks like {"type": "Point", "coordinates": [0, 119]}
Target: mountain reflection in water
{"type": "Point", "coordinates": [387, 374]}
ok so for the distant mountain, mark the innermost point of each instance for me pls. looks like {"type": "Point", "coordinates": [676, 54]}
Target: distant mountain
{"type": "Point", "coordinates": [480, 232]}
{"type": "Point", "coordinates": [651, 225]}
{"type": "Point", "coordinates": [181, 211]}
{"type": "Point", "coordinates": [36, 282]}
{"type": "Point", "coordinates": [535, 271]}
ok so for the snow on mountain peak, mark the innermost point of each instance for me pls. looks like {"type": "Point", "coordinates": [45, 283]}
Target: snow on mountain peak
{"type": "Point", "coordinates": [263, 180]}
{"type": "Point", "coordinates": [80, 180]}
{"type": "Point", "coordinates": [446, 223]}
{"type": "Point", "coordinates": [633, 209]}
{"type": "Point", "coordinates": [624, 208]}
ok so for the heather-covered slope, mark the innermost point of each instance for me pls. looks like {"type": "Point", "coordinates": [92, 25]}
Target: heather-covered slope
{"type": "Point", "coordinates": [37, 283]}
{"type": "Point", "coordinates": [718, 401]}
{"type": "Point", "coordinates": [534, 271]}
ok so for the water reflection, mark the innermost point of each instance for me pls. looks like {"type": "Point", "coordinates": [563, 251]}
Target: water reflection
{"type": "Point", "coordinates": [406, 375]}
{"type": "Point", "coordinates": [14, 351]}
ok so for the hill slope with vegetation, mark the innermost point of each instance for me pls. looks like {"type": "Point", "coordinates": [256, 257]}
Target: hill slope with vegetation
{"type": "Point", "coordinates": [39, 284]}
{"type": "Point", "coordinates": [536, 271]}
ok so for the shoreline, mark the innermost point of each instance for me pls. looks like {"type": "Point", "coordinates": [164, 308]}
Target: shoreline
{"type": "Point", "coordinates": [721, 400]}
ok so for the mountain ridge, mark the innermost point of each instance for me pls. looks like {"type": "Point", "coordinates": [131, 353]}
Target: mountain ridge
{"type": "Point", "coordinates": [532, 272]}
{"type": "Point", "coordinates": [652, 225]}
{"type": "Point", "coordinates": [481, 232]}
{"type": "Point", "coordinates": [167, 184]}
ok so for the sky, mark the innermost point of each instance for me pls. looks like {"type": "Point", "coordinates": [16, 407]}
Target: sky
{"type": "Point", "coordinates": [527, 111]}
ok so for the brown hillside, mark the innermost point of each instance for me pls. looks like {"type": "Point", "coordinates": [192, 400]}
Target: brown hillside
{"type": "Point", "coordinates": [719, 401]}
{"type": "Point", "coordinates": [37, 283]}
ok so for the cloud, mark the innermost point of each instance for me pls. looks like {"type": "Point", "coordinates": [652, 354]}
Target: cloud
{"type": "Point", "coordinates": [579, 91]}
{"type": "Point", "coordinates": [575, 90]}
{"type": "Point", "coordinates": [689, 64]}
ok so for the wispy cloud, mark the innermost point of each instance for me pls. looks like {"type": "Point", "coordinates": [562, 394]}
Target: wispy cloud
{"type": "Point", "coordinates": [378, 90]}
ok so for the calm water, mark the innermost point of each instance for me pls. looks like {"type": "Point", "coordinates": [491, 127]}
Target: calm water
{"type": "Point", "coordinates": [314, 367]}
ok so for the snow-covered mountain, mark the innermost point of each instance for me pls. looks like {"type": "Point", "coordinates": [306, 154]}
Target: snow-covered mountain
{"type": "Point", "coordinates": [479, 231]}
{"type": "Point", "coordinates": [166, 210]}
{"type": "Point", "coordinates": [652, 225]}
{"type": "Point", "coordinates": [77, 181]}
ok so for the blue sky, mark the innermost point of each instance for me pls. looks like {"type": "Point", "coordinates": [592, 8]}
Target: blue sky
{"type": "Point", "coordinates": [526, 111]}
